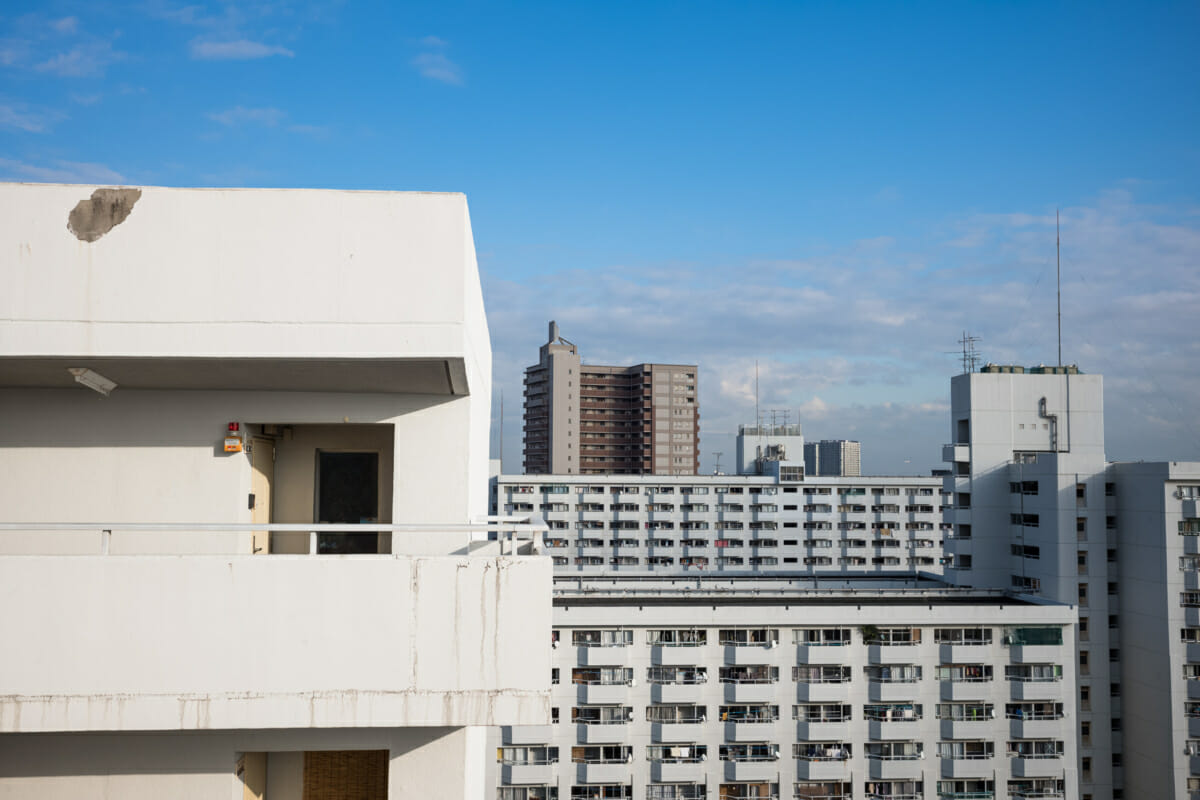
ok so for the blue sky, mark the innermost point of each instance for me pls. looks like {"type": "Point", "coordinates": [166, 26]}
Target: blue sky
{"type": "Point", "coordinates": [836, 190]}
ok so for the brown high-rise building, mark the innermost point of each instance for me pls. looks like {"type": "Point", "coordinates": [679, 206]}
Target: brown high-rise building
{"type": "Point", "coordinates": [586, 419]}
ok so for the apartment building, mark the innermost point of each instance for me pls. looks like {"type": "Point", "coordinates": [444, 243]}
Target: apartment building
{"type": "Point", "coordinates": [722, 689]}
{"type": "Point", "coordinates": [733, 524]}
{"type": "Point", "coordinates": [243, 534]}
{"type": "Point", "coordinates": [833, 457]}
{"type": "Point", "coordinates": [1154, 507]}
{"type": "Point", "coordinates": [1029, 514]}
{"type": "Point", "coordinates": [586, 419]}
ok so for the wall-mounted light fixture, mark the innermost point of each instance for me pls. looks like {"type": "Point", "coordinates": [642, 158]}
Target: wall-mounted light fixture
{"type": "Point", "coordinates": [93, 380]}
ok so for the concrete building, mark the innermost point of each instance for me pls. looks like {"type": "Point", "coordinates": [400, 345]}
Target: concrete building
{"type": "Point", "coordinates": [244, 440]}
{"type": "Point", "coordinates": [759, 688]}
{"type": "Point", "coordinates": [1029, 514]}
{"type": "Point", "coordinates": [833, 457]}
{"type": "Point", "coordinates": [1153, 509]}
{"type": "Point", "coordinates": [584, 419]}
{"type": "Point", "coordinates": [733, 524]}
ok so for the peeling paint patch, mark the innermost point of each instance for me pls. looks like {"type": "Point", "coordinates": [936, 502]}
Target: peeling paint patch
{"type": "Point", "coordinates": [104, 210]}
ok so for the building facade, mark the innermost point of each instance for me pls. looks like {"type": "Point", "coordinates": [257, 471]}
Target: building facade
{"type": "Point", "coordinates": [232, 424]}
{"type": "Point", "coordinates": [584, 419]}
{"type": "Point", "coordinates": [714, 689]}
{"type": "Point", "coordinates": [833, 457]}
{"type": "Point", "coordinates": [1030, 514]}
{"type": "Point", "coordinates": [733, 524]}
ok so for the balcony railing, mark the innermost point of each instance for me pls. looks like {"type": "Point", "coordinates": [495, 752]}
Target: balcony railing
{"type": "Point", "coordinates": [490, 536]}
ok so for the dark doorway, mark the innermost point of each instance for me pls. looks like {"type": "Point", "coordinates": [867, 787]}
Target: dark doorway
{"type": "Point", "coordinates": [347, 491]}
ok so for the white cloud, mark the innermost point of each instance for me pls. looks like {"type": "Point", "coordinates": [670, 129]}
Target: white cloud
{"type": "Point", "coordinates": [240, 115]}
{"type": "Point", "coordinates": [433, 41]}
{"type": "Point", "coordinates": [438, 67]}
{"type": "Point", "coordinates": [19, 118]}
{"type": "Point", "coordinates": [65, 25]}
{"type": "Point", "coordinates": [83, 60]}
{"type": "Point", "coordinates": [60, 172]}
{"type": "Point", "coordinates": [236, 50]}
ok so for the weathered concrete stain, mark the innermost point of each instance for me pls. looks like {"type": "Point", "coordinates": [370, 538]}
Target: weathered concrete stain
{"type": "Point", "coordinates": [104, 210]}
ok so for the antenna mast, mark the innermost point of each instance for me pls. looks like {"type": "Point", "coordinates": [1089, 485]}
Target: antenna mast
{"type": "Point", "coordinates": [501, 431]}
{"type": "Point", "coordinates": [1058, 280]}
{"type": "Point", "coordinates": [970, 356]}
{"type": "Point", "coordinates": [717, 463]}
{"type": "Point", "coordinates": [757, 417]}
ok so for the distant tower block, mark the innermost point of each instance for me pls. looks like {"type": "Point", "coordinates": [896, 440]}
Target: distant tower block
{"type": "Point", "coordinates": [586, 419]}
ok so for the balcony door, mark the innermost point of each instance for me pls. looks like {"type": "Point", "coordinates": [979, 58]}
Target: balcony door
{"type": "Point", "coordinates": [347, 492]}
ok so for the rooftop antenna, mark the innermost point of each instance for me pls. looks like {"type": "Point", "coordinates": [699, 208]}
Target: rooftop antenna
{"type": "Point", "coordinates": [757, 417]}
{"type": "Point", "coordinates": [501, 431]}
{"type": "Point", "coordinates": [970, 356]}
{"type": "Point", "coordinates": [1058, 280]}
{"type": "Point", "coordinates": [717, 463]}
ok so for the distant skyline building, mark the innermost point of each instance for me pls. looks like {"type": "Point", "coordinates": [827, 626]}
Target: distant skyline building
{"type": "Point", "coordinates": [833, 458]}
{"type": "Point", "coordinates": [587, 419]}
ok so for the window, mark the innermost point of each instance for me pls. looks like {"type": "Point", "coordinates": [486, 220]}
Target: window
{"type": "Point", "coordinates": [602, 638]}
{"type": "Point", "coordinates": [1081, 494]}
{"type": "Point", "coordinates": [742, 637]}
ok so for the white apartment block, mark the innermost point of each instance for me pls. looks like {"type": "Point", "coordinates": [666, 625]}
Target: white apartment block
{"type": "Point", "coordinates": [1155, 511]}
{"type": "Point", "coordinates": [1030, 514]}
{"type": "Point", "coordinates": [722, 689]}
{"type": "Point", "coordinates": [732, 524]}
{"type": "Point", "coordinates": [244, 441]}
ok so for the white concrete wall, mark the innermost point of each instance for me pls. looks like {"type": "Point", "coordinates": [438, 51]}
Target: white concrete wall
{"type": "Point", "coordinates": [423, 763]}
{"type": "Point", "coordinates": [182, 643]}
{"type": "Point", "coordinates": [195, 272]}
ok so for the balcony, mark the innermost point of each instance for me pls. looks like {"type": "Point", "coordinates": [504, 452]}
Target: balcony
{"type": "Point", "coordinates": [969, 767]}
{"type": "Point", "coordinates": [1038, 728]}
{"type": "Point", "coordinates": [831, 770]}
{"type": "Point", "coordinates": [1035, 654]}
{"type": "Point", "coordinates": [982, 728]}
{"type": "Point", "coordinates": [602, 693]}
{"type": "Point", "coordinates": [602, 733]}
{"type": "Point", "coordinates": [956, 452]}
{"type": "Point", "coordinates": [751, 655]}
{"type": "Point", "coordinates": [895, 768]}
{"type": "Point", "coordinates": [822, 731]}
{"type": "Point", "coordinates": [617, 772]}
{"type": "Point", "coordinates": [676, 732]}
{"type": "Point", "coordinates": [177, 664]}
{"type": "Point", "coordinates": [677, 771]}
{"type": "Point", "coordinates": [750, 731]}
{"type": "Point", "coordinates": [881, 730]}
{"type": "Point", "coordinates": [967, 690]}
{"type": "Point", "coordinates": [676, 692]}
{"type": "Point", "coordinates": [528, 734]}
{"type": "Point", "coordinates": [965, 653]}
{"type": "Point", "coordinates": [1037, 767]}
{"type": "Point", "coordinates": [603, 656]}
{"type": "Point", "coordinates": [820, 654]}
{"type": "Point", "coordinates": [892, 653]}
{"type": "Point", "coordinates": [885, 691]}
{"type": "Point", "coordinates": [749, 692]}
{"type": "Point", "coordinates": [527, 773]}
{"type": "Point", "coordinates": [751, 770]}
{"type": "Point", "coordinates": [1036, 690]}
{"type": "Point", "coordinates": [819, 692]}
